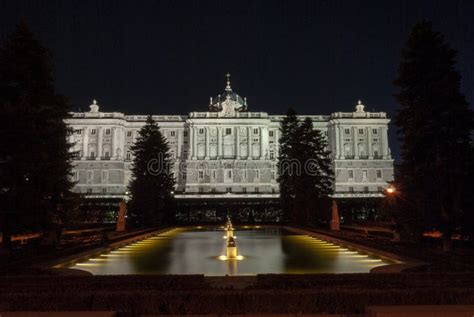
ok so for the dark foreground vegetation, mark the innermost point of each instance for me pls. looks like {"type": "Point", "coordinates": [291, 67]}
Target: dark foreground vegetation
{"type": "Point", "coordinates": [346, 293]}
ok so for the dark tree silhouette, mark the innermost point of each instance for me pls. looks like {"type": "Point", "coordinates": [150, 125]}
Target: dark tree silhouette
{"type": "Point", "coordinates": [315, 183]}
{"type": "Point", "coordinates": [305, 170]}
{"type": "Point", "coordinates": [434, 125]}
{"type": "Point", "coordinates": [152, 181]}
{"type": "Point", "coordinates": [35, 156]}
{"type": "Point", "coordinates": [286, 162]}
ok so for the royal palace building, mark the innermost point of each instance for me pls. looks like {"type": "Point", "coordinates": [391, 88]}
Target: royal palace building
{"type": "Point", "coordinates": [228, 151]}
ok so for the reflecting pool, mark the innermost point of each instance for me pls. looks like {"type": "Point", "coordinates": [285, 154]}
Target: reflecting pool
{"type": "Point", "coordinates": [200, 250]}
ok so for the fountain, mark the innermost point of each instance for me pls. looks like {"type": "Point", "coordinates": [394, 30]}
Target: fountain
{"type": "Point", "coordinates": [231, 248]}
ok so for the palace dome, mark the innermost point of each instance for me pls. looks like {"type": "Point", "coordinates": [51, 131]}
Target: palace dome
{"type": "Point", "coordinates": [228, 94]}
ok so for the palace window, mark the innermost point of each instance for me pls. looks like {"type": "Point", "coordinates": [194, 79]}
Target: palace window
{"type": "Point", "coordinates": [79, 131]}
{"type": "Point", "coordinates": [106, 154]}
{"type": "Point", "coordinates": [351, 189]}
{"type": "Point", "coordinates": [129, 156]}
{"type": "Point", "coordinates": [379, 174]}
{"type": "Point", "coordinates": [184, 175]}
{"type": "Point", "coordinates": [105, 177]}
{"type": "Point", "coordinates": [201, 175]}
{"type": "Point", "coordinates": [129, 133]}
{"type": "Point", "coordinates": [201, 131]}
{"type": "Point", "coordinates": [92, 154]}
{"type": "Point", "coordinates": [257, 174]}
{"type": "Point", "coordinates": [347, 131]}
{"type": "Point", "coordinates": [173, 133]}
{"type": "Point", "coordinates": [107, 131]}
{"type": "Point", "coordinates": [257, 189]}
{"type": "Point", "coordinates": [89, 190]}
{"type": "Point", "coordinates": [272, 155]}
{"type": "Point", "coordinates": [228, 131]}
{"type": "Point", "coordinates": [185, 133]}
{"type": "Point", "coordinates": [244, 190]}
{"type": "Point", "coordinates": [90, 175]}
{"type": "Point", "coordinates": [93, 131]}
{"type": "Point", "coordinates": [376, 140]}
{"type": "Point", "coordinates": [364, 175]}
{"type": "Point", "coordinates": [273, 175]}
{"type": "Point", "coordinates": [229, 189]}
{"type": "Point", "coordinates": [374, 131]}
{"type": "Point", "coordinates": [376, 154]}
{"type": "Point", "coordinates": [255, 131]}
{"type": "Point", "coordinates": [351, 174]}
{"type": "Point", "coordinates": [366, 189]}
{"type": "Point", "coordinates": [361, 131]}
{"type": "Point", "coordinates": [270, 133]}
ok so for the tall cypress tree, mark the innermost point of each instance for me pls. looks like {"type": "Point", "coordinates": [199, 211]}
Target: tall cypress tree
{"type": "Point", "coordinates": [152, 181]}
{"type": "Point", "coordinates": [434, 125]}
{"type": "Point", "coordinates": [315, 183]}
{"type": "Point", "coordinates": [35, 156]}
{"type": "Point", "coordinates": [286, 161]}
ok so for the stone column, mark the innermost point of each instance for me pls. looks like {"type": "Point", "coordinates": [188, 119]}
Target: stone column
{"type": "Point", "coordinates": [277, 142]}
{"type": "Point", "coordinates": [384, 147]}
{"type": "Point", "coordinates": [354, 140]}
{"type": "Point", "coordinates": [190, 142]}
{"type": "Point", "coordinates": [180, 142]}
{"type": "Point", "coordinates": [85, 145]}
{"type": "Point", "coordinates": [207, 143]}
{"type": "Point", "coordinates": [112, 143]}
{"type": "Point", "coordinates": [369, 143]}
{"type": "Point", "coordinates": [99, 143]}
{"type": "Point", "coordinates": [237, 143]}
{"type": "Point", "coordinates": [194, 140]}
{"type": "Point", "coordinates": [219, 142]}
{"type": "Point", "coordinates": [249, 143]}
{"type": "Point", "coordinates": [341, 142]}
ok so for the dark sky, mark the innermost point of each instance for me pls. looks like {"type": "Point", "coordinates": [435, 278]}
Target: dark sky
{"type": "Point", "coordinates": [169, 57]}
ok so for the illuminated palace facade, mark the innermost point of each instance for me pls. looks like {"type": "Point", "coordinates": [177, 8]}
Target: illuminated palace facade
{"type": "Point", "coordinates": [227, 151]}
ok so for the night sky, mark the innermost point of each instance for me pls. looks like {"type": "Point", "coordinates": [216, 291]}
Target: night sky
{"type": "Point", "coordinates": [169, 57]}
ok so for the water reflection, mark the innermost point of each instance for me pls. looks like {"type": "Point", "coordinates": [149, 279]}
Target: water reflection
{"type": "Point", "coordinates": [197, 250]}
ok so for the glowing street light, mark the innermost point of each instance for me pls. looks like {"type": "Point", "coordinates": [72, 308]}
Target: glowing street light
{"type": "Point", "coordinates": [390, 190]}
